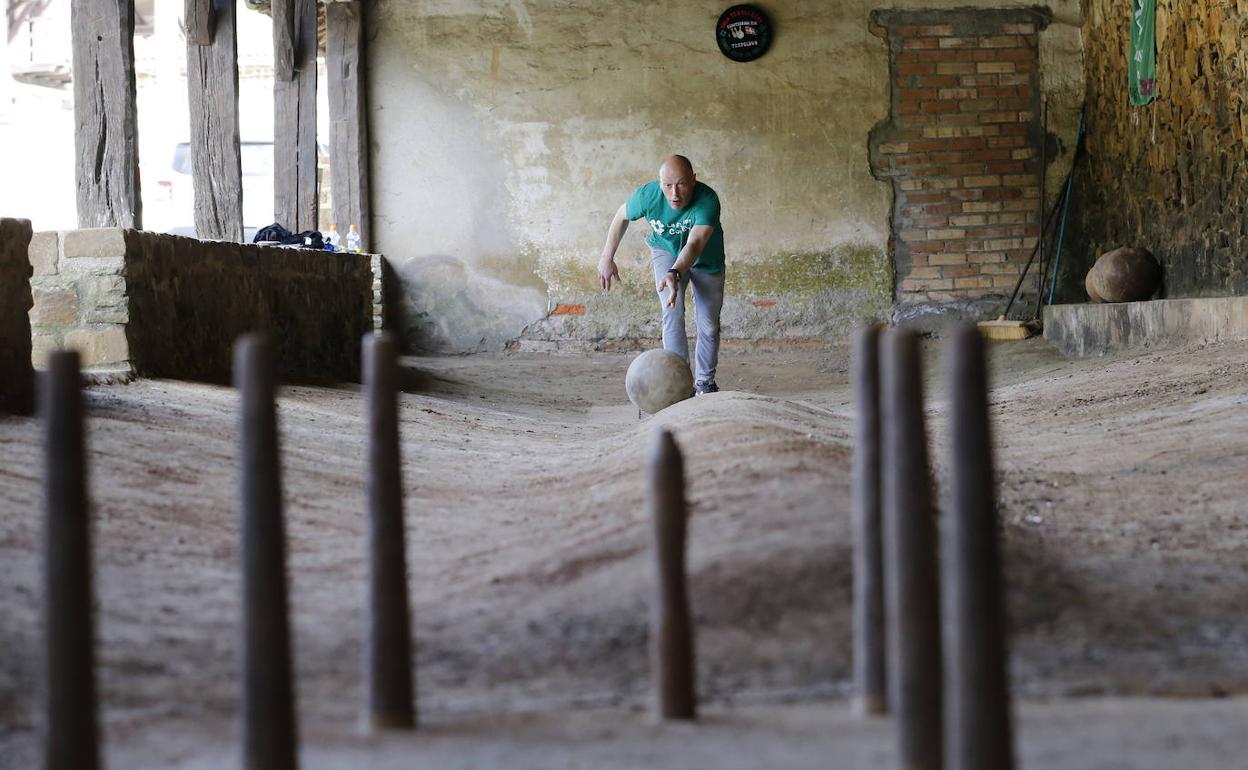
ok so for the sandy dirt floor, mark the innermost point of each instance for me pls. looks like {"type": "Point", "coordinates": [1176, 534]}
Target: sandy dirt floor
{"type": "Point", "coordinates": [1122, 493]}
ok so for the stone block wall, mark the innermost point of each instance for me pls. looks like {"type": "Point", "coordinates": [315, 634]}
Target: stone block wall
{"type": "Point", "coordinates": [962, 148]}
{"type": "Point", "coordinates": [80, 297]}
{"type": "Point", "coordinates": [17, 377]}
{"type": "Point", "coordinates": [1172, 175]}
{"type": "Point", "coordinates": [160, 305]}
{"type": "Point", "coordinates": [378, 266]}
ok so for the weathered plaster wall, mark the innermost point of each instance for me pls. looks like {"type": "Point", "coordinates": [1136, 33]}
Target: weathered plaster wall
{"type": "Point", "coordinates": [506, 132]}
{"type": "Point", "coordinates": [159, 305]}
{"type": "Point", "coordinates": [1171, 176]}
{"type": "Point", "coordinates": [17, 378]}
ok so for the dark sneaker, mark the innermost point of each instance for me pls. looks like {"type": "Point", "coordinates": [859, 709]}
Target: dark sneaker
{"type": "Point", "coordinates": [702, 388]}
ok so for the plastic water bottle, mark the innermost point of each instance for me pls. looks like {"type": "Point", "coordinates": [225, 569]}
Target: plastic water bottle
{"type": "Point", "coordinates": [332, 239]}
{"type": "Point", "coordinates": [353, 240]}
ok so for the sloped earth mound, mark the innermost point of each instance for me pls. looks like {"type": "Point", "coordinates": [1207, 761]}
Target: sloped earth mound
{"type": "Point", "coordinates": [1121, 486]}
{"type": "Point", "coordinates": [530, 578]}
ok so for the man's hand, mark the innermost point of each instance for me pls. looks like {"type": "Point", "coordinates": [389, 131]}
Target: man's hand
{"type": "Point", "coordinates": [606, 271]}
{"type": "Point", "coordinates": [671, 283]}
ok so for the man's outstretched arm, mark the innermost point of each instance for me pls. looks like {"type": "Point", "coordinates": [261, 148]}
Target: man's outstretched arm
{"type": "Point", "coordinates": [615, 233]}
{"type": "Point", "coordinates": [698, 238]}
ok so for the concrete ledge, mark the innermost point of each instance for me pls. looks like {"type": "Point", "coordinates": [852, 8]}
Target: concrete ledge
{"type": "Point", "coordinates": [1098, 329]}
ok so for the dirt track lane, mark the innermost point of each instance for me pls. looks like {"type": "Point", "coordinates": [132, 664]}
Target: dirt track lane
{"type": "Point", "coordinates": [1121, 489]}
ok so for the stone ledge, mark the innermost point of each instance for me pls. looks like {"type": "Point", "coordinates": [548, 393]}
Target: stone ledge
{"type": "Point", "coordinates": [94, 242]}
{"type": "Point", "coordinates": [45, 252]}
{"type": "Point", "coordinates": [151, 304]}
{"type": "Point", "coordinates": [1101, 329]}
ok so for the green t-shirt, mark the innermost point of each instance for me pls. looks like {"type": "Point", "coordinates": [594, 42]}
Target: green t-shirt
{"type": "Point", "coordinates": [669, 228]}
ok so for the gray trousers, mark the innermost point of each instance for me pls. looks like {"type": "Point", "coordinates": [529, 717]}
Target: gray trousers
{"type": "Point", "coordinates": [708, 300]}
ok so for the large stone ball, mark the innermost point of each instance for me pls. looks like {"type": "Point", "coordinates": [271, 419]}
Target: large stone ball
{"type": "Point", "coordinates": [657, 379]}
{"type": "Point", "coordinates": [1126, 274]}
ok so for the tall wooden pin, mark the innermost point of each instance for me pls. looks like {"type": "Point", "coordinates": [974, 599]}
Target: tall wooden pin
{"type": "Point", "coordinates": [980, 733]}
{"type": "Point", "coordinates": [71, 733]}
{"type": "Point", "coordinates": [911, 594]}
{"type": "Point", "coordinates": [388, 660]}
{"type": "Point", "coordinates": [870, 685]}
{"type": "Point", "coordinates": [671, 629]}
{"type": "Point", "coordinates": [268, 712]}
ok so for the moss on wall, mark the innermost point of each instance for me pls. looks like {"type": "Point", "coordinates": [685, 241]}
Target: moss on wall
{"type": "Point", "coordinates": [805, 274]}
{"type": "Point", "coordinates": [812, 294]}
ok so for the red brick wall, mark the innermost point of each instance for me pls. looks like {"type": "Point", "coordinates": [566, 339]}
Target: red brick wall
{"type": "Point", "coordinates": [962, 148]}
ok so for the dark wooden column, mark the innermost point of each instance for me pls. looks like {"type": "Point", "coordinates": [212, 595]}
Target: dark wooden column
{"type": "Point", "coordinates": [106, 139]}
{"type": "Point", "coordinates": [348, 116]}
{"type": "Point", "coordinates": [199, 21]}
{"type": "Point", "coordinates": [71, 733]}
{"type": "Point", "coordinates": [979, 731]}
{"type": "Point", "coordinates": [911, 572]}
{"type": "Point", "coordinates": [870, 680]}
{"type": "Point", "coordinates": [212, 85]}
{"type": "Point", "coordinates": [294, 115]}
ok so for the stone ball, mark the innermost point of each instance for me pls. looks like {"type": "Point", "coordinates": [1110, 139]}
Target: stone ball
{"type": "Point", "coordinates": [657, 379]}
{"type": "Point", "coordinates": [1126, 274]}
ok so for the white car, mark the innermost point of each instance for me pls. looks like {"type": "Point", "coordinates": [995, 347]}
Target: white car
{"type": "Point", "coordinates": [168, 207]}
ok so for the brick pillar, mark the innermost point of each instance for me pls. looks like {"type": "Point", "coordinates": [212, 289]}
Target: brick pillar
{"type": "Point", "coordinates": [962, 147]}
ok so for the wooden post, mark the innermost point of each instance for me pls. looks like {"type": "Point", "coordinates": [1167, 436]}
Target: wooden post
{"type": "Point", "coordinates": [869, 653]}
{"type": "Point", "coordinates": [106, 162]}
{"type": "Point", "coordinates": [388, 661]}
{"type": "Point", "coordinates": [671, 629]}
{"type": "Point", "coordinates": [216, 164]}
{"type": "Point", "coordinates": [283, 13]}
{"type": "Point", "coordinates": [294, 127]}
{"type": "Point", "coordinates": [348, 117]}
{"type": "Point", "coordinates": [980, 733]}
{"type": "Point", "coordinates": [199, 21]}
{"type": "Point", "coordinates": [72, 735]}
{"type": "Point", "coordinates": [268, 710]}
{"type": "Point", "coordinates": [911, 595]}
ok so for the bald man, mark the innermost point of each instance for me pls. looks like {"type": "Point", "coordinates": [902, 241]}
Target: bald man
{"type": "Point", "coordinates": [686, 248]}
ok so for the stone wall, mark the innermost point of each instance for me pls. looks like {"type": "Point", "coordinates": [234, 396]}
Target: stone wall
{"type": "Point", "coordinates": [17, 378]}
{"type": "Point", "coordinates": [80, 297]}
{"type": "Point", "coordinates": [159, 305]}
{"type": "Point", "coordinates": [962, 149]}
{"type": "Point", "coordinates": [1171, 176]}
{"type": "Point", "coordinates": [507, 133]}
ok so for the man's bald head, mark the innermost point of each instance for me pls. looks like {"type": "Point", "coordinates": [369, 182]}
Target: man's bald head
{"type": "Point", "coordinates": [677, 180]}
{"type": "Point", "coordinates": [677, 164]}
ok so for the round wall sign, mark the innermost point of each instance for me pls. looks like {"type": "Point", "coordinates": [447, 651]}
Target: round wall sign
{"type": "Point", "coordinates": [743, 32]}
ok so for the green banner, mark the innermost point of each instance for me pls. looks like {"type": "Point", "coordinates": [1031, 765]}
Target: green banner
{"type": "Point", "coordinates": [1142, 64]}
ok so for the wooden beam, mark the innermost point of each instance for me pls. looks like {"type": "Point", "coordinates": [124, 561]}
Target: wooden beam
{"type": "Point", "coordinates": [199, 21]}
{"type": "Point", "coordinates": [294, 130]}
{"type": "Point", "coordinates": [106, 163]}
{"type": "Point", "coordinates": [283, 12]}
{"type": "Point", "coordinates": [216, 165]}
{"type": "Point", "coordinates": [348, 116]}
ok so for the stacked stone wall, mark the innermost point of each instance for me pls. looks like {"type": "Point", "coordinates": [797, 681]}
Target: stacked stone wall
{"type": "Point", "coordinates": [962, 147]}
{"type": "Point", "coordinates": [17, 377]}
{"type": "Point", "coordinates": [1172, 175]}
{"type": "Point", "coordinates": [80, 298]}
{"type": "Point", "coordinates": [160, 305]}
